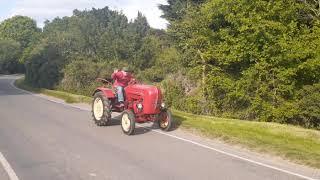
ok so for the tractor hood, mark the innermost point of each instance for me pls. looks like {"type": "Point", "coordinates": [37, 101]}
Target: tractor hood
{"type": "Point", "coordinates": [150, 96]}
{"type": "Point", "coordinates": [140, 89]}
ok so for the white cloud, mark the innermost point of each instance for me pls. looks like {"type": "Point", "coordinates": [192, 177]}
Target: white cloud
{"type": "Point", "coordinates": [148, 7]}
{"type": "Point", "coordinates": [40, 10]}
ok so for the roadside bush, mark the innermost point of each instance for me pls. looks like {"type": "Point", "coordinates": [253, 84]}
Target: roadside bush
{"type": "Point", "coordinates": [153, 74]}
{"type": "Point", "coordinates": [183, 94]}
{"type": "Point", "coordinates": [79, 76]}
{"type": "Point", "coordinates": [309, 106]}
{"type": "Point", "coordinates": [166, 62]}
{"type": "Point", "coordinates": [10, 51]}
{"type": "Point", "coordinates": [304, 110]}
{"type": "Point", "coordinates": [43, 66]}
{"type": "Point", "coordinates": [173, 94]}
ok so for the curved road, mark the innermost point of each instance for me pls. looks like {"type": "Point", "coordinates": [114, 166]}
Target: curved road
{"type": "Point", "coordinates": [43, 140]}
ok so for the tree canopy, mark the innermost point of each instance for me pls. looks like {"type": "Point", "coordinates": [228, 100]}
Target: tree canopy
{"type": "Point", "coordinates": [251, 58]}
{"type": "Point", "coordinates": [21, 29]}
{"type": "Point", "coordinates": [17, 33]}
{"type": "Point", "coordinates": [9, 55]}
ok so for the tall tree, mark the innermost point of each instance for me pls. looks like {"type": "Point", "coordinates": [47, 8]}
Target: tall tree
{"type": "Point", "coordinates": [254, 56]}
{"type": "Point", "coordinates": [176, 9]}
{"type": "Point", "coordinates": [21, 29]}
{"type": "Point", "coordinates": [10, 51]}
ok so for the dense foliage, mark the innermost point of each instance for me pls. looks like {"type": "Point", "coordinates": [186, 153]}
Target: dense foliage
{"type": "Point", "coordinates": [16, 35]}
{"type": "Point", "coordinates": [253, 60]}
{"type": "Point", "coordinates": [9, 55]}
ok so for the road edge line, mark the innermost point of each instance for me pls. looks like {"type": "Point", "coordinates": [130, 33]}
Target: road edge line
{"type": "Point", "coordinates": [189, 141]}
{"type": "Point", "coordinates": [233, 155]}
{"type": "Point", "coordinates": [12, 175]}
{"type": "Point", "coordinates": [34, 94]}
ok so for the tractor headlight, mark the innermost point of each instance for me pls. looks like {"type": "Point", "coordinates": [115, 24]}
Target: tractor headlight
{"type": "Point", "coordinates": [139, 106]}
{"type": "Point", "coordinates": [163, 105]}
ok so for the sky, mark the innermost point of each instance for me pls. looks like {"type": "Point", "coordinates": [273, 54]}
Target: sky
{"type": "Point", "coordinates": [41, 10]}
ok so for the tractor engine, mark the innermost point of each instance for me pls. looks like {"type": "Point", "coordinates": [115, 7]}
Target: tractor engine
{"type": "Point", "coordinates": [144, 99]}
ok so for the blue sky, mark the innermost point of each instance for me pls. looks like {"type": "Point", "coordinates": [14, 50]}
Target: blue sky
{"type": "Point", "coordinates": [5, 7]}
{"type": "Point", "coordinates": [41, 10]}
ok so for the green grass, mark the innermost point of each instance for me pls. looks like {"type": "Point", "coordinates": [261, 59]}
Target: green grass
{"type": "Point", "coordinates": [289, 142]}
{"type": "Point", "coordinates": [68, 97]}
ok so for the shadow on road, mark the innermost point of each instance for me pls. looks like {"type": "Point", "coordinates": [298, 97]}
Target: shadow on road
{"type": "Point", "coordinates": [140, 128]}
{"type": "Point", "coordinates": [115, 121]}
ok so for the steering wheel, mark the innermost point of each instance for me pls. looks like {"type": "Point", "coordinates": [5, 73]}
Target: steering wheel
{"type": "Point", "coordinates": [104, 81]}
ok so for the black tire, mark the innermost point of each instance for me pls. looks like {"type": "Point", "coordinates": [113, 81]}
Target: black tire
{"type": "Point", "coordinates": [128, 122]}
{"type": "Point", "coordinates": [165, 120]}
{"type": "Point", "coordinates": [104, 116]}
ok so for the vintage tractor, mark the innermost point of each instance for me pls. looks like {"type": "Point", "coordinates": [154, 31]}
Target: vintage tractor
{"type": "Point", "coordinates": [143, 103]}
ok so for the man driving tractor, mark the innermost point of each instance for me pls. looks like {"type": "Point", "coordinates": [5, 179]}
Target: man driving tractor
{"type": "Point", "coordinates": [121, 80]}
{"type": "Point", "coordinates": [136, 102]}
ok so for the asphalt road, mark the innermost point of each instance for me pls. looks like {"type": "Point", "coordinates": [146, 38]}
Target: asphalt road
{"type": "Point", "coordinates": [43, 140]}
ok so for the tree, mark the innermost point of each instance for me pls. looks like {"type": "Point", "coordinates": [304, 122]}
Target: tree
{"type": "Point", "coordinates": [176, 9]}
{"type": "Point", "coordinates": [21, 29]}
{"type": "Point", "coordinates": [147, 54]}
{"type": "Point", "coordinates": [43, 65]}
{"type": "Point", "coordinates": [10, 51]}
{"type": "Point", "coordinates": [251, 57]}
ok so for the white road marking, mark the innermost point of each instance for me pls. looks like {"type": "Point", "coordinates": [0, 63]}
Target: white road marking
{"type": "Point", "coordinates": [92, 174]}
{"type": "Point", "coordinates": [233, 155]}
{"type": "Point", "coordinates": [12, 175]}
{"type": "Point", "coordinates": [62, 103]}
{"type": "Point", "coordinates": [189, 141]}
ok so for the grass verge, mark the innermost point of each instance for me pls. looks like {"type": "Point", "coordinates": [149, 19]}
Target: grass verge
{"type": "Point", "coordinates": [296, 144]}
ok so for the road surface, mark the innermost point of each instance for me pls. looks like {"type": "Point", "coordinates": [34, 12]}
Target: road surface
{"type": "Point", "coordinates": [43, 140]}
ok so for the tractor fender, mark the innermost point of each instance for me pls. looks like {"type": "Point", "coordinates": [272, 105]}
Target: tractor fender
{"type": "Point", "coordinates": [106, 91]}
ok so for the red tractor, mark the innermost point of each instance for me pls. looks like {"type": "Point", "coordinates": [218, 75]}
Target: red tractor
{"type": "Point", "coordinates": [143, 103]}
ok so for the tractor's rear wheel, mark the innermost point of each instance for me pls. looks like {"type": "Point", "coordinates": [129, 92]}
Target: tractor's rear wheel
{"type": "Point", "coordinates": [128, 122]}
{"type": "Point", "coordinates": [165, 120]}
{"type": "Point", "coordinates": [101, 109]}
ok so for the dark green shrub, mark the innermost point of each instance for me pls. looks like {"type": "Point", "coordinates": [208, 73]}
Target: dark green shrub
{"type": "Point", "coordinates": [79, 76]}
{"type": "Point", "coordinates": [309, 106]}
{"type": "Point", "coordinates": [10, 51]}
{"type": "Point", "coordinates": [173, 93]}
{"type": "Point", "coordinates": [304, 110]}
{"type": "Point", "coordinates": [43, 66]}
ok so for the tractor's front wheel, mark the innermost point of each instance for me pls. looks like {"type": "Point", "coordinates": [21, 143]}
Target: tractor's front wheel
{"type": "Point", "coordinates": [165, 120]}
{"type": "Point", "coordinates": [128, 122]}
{"type": "Point", "coordinates": [101, 109]}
